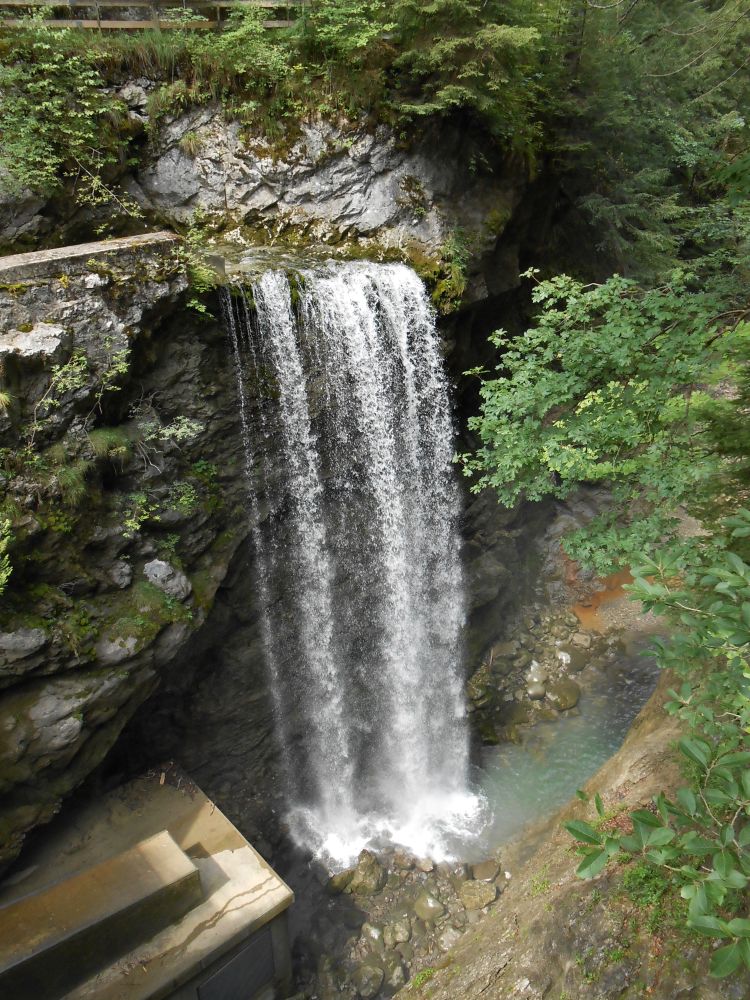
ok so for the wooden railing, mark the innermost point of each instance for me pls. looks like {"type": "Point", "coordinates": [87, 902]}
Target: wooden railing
{"type": "Point", "coordinates": [163, 15]}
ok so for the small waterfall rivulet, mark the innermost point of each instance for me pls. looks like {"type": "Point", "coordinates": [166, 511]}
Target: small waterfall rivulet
{"type": "Point", "coordinates": [339, 373]}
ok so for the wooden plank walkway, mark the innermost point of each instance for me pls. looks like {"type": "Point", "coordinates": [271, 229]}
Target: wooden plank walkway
{"type": "Point", "coordinates": [156, 21]}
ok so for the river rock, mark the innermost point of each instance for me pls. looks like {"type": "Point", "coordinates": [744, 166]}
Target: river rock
{"type": "Point", "coordinates": [396, 932]}
{"type": "Point", "coordinates": [536, 674]}
{"type": "Point", "coordinates": [371, 936]}
{"type": "Point", "coordinates": [171, 581]}
{"type": "Point", "coordinates": [573, 658]}
{"type": "Point", "coordinates": [339, 882]}
{"type": "Point", "coordinates": [402, 861]}
{"type": "Point", "coordinates": [448, 938]}
{"type": "Point", "coordinates": [427, 907]}
{"type": "Point", "coordinates": [535, 691]}
{"type": "Point", "coordinates": [369, 876]}
{"type": "Point", "coordinates": [393, 969]}
{"type": "Point", "coordinates": [367, 980]}
{"type": "Point", "coordinates": [476, 895]}
{"type": "Point", "coordinates": [485, 871]}
{"type": "Point", "coordinates": [581, 639]}
{"type": "Point", "coordinates": [564, 694]}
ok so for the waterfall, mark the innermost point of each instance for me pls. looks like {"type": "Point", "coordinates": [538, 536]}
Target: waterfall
{"type": "Point", "coordinates": [340, 377]}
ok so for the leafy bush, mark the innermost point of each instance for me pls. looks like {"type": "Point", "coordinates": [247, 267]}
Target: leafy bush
{"type": "Point", "coordinates": [56, 121]}
{"type": "Point", "coordinates": [699, 839]}
{"type": "Point", "coordinates": [609, 385]}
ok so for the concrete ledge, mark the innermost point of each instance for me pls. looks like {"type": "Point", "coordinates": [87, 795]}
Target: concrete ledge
{"type": "Point", "coordinates": [226, 935]}
{"type": "Point", "coordinates": [26, 266]}
{"type": "Point", "coordinates": [54, 939]}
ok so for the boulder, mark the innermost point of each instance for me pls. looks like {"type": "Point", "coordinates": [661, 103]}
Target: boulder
{"type": "Point", "coordinates": [367, 980]}
{"type": "Point", "coordinates": [368, 877]}
{"type": "Point", "coordinates": [396, 932]}
{"type": "Point", "coordinates": [427, 907]}
{"type": "Point", "coordinates": [485, 871]}
{"type": "Point", "coordinates": [393, 968]}
{"type": "Point", "coordinates": [476, 895]}
{"type": "Point", "coordinates": [171, 581]}
{"type": "Point", "coordinates": [339, 882]}
{"type": "Point", "coordinates": [564, 694]}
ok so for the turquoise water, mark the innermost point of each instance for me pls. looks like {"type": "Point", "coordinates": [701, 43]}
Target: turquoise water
{"type": "Point", "coordinates": [528, 781]}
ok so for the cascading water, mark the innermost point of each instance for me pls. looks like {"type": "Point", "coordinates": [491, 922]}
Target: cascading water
{"type": "Point", "coordinates": [357, 553]}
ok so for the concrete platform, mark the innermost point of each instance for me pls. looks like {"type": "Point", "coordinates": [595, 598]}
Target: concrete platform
{"type": "Point", "coordinates": [231, 943]}
{"type": "Point", "coordinates": [50, 940]}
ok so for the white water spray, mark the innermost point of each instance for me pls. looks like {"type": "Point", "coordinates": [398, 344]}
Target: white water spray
{"type": "Point", "coordinates": [359, 556]}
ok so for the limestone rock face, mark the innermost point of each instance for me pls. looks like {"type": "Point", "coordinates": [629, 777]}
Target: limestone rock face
{"type": "Point", "coordinates": [356, 182]}
{"type": "Point", "coordinates": [97, 626]}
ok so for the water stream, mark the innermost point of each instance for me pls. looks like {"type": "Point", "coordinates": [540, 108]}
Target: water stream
{"type": "Point", "coordinates": [357, 553]}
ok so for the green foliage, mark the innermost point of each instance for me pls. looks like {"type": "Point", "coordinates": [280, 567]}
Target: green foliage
{"type": "Point", "coordinates": [57, 119]}
{"type": "Point", "coordinates": [72, 481]}
{"type": "Point", "coordinates": [610, 385]}
{"type": "Point", "coordinates": [475, 56]}
{"type": "Point", "coordinates": [698, 841]}
{"type": "Point", "coordinates": [137, 510]}
{"type": "Point", "coordinates": [6, 537]}
{"type": "Point", "coordinates": [183, 497]}
{"type": "Point", "coordinates": [345, 29]}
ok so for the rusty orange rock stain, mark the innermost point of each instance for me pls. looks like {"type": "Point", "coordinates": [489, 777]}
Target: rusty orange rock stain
{"type": "Point", "coordinates": [611, 588]}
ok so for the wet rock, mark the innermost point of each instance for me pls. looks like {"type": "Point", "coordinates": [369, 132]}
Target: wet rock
{"type": "Point", "coordinates": [448, 938]}
{"type": "Point", "coordinates": [369, 876]}
{"type": "Point", "coordinates": [536, 691]}
{"type": "Point", "coordinates": [428, 908]}
{"type": "Point", "coordinates": [171, 581]}
{"type": "Point", "coordinates": [537, 674]}
{"type": "Point", "coordinates": [581, 639]}
{"type": "Point", "coordinates": [505, 649]}
{"type": "Point", "coordinates": [406, 951]}
{"type": "Point", "coordinates": [522, 661]}
{"type": "Point", "coordinates": [476, 895]}
{"type": "Point", "coordinates": [367, 980]}
{"type": "Point", "coordinates": [425, 864]}
{"type": "Point", "coordinates": [372, 936]}
{"type": "Point", "coordinates": [396, 932]}
{"type": "Point", "coordinates": [574, 658]}
{"type": "Point", "coordinates": [402, 861]}
{"type": "Point", "coordinates": [564, 694]}
{"type": "Point", "coordinates": [393, 968]}
{"type": "Point", "coordinates": [485, 871]}
{"type": "Point", "coordinates": [479, 687]}
{"type": "Point", "coordinates": [338, 883]}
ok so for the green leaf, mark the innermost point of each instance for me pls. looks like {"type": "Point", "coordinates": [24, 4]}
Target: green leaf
{"type": "Point", "coordinates": [739, 927]}
{"type": "Point", "coordinates": [725, 961]}
{"type": "Point", "coordinates": [696, 750]}
{"type": "Point", "coordinates": [687, 800]}
{"type": "Point", "coordinates": [582, 830]}
{"type": "Point", "coordinates": [708, 925]}
{"type": "Point", "coordinates": [592, 864]}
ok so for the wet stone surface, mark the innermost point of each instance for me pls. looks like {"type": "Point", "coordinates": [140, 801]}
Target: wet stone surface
{"type": "Point", "coordinates": [369, 944]}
